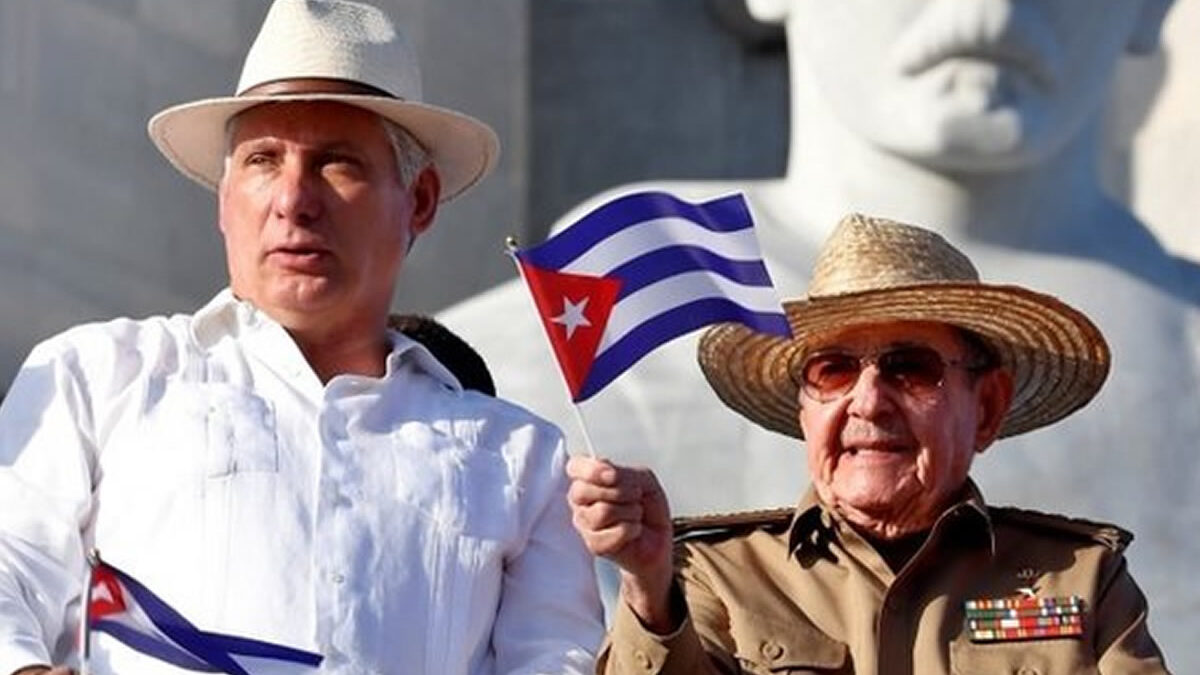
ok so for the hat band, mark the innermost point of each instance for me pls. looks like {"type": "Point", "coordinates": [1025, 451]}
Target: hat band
{"type": "Point", "coordinates": [314, 85]}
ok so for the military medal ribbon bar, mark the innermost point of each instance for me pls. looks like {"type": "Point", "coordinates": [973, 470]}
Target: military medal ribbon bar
{"type": "Point", "coordinates": [1024, 618]}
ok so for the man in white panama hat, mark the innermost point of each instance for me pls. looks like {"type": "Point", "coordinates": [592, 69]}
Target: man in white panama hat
{"type": "Point", "coordinates": [281, 465]}
{"type": "Point", "coordinates": [902, 367]}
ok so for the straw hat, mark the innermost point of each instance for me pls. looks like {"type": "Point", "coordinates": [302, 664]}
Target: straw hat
{"type": "Point", "coordinates": [873, 270]}
{"type": "Point", "coordinates": [328, 50]}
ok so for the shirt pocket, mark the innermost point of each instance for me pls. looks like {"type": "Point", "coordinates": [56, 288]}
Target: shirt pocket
{"type": "Point", "coordinates": [785, 645]}
{"type": "Point", "coordinates": [189, 431]}
{"type": "Point", "coordinates": [1060, 656]}
{"type": "Point", "coordinates": [239, 432]}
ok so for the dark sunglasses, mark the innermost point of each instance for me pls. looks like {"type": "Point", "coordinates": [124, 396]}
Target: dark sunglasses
{"type": "Point", "coordinates": [916, 370]}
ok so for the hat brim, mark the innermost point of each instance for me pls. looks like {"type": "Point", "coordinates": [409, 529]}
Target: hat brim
{"type": "Point", "coordinates": [1057, 356]}
{"type": "Point", "coordinates": [192, 135]}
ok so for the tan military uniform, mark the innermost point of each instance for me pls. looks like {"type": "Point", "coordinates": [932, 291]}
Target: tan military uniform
{"type": "Point", "coordinates": [799, 591]}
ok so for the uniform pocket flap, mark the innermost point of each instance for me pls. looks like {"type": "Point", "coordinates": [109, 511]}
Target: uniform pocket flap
{"type": "Point", "coordinates": [1045, 657]}
{"type": "Point", "coordinates": [785, 644]}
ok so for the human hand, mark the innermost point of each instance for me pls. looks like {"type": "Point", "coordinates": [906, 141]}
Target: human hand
{"type": "Point", "coordinates": [622, 515]}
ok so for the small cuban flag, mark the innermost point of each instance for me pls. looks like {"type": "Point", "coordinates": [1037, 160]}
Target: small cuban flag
{"type": "Point", "coordinates": [125, 609]}
{"type": "Point", "coordinates": [641, 270]}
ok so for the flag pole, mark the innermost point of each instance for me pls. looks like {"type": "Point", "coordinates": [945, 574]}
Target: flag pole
{"type": "Point", "coordinates": [510, 244]}
{"type": "Point", "coordinates": [85, 625]}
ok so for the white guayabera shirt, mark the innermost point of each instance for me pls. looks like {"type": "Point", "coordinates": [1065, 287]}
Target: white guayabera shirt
{"type": "Point", "coordinates": [394, 525]}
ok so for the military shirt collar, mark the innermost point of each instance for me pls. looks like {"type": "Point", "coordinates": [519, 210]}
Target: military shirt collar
{"type": "Point", "coordinates": [815, 524]}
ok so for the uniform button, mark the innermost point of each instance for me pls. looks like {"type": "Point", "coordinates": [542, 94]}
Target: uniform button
{"type": "Point", "coordinates": [340, 578]}
{"type": "Point", "coordinates": [772, 650]}
{"type": "Point", "coordinates": [1028, 670]}
{"type": "Point", "coordinates": [642, 659]}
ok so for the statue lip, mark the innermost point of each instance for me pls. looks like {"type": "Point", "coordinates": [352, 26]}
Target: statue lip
{"type": "Point", "coordinates": [1018, 40]}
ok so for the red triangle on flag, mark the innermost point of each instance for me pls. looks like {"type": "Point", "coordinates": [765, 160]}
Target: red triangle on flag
{"type": "Point", "coordinates": [574, 309]}
{"type": "Point", "coordinates": [106, 596]}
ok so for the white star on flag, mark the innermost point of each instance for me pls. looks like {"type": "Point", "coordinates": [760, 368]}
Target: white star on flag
{"type": "Point", "coordinates": [572, 316]}
{"type": "Point", "coordinates": [102, 591]}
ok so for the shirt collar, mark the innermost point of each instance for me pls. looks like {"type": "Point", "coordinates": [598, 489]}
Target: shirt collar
{"type": "Point", "coordinates": [405, 348]}
{"type": "Point", "coordinates": [228, 316]}
{"type": "Point", "coordinates": [815, 525]}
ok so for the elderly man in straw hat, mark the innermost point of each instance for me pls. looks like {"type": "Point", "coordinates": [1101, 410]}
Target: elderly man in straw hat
{"type": "Point", "coordinates": [903, 367]}
{"type": "Point", "coordinates": [280, 465]}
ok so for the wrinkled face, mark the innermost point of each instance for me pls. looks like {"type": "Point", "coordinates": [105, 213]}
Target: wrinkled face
{"type": "Point", "coordinates": [964, 84]}
{"type": "Point", "coordinates": [315, 220]}
{"type": "Point", "coordinates": [895, 452]}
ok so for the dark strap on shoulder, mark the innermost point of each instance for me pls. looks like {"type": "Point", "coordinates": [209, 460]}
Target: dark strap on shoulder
{"type": "Point", "coordinates": [452, 351]}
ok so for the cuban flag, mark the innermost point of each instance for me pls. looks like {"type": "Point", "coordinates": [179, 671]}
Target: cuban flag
{"type": "Point", "coordinates": [641, 270]}
{"type": "Point", "coordinates": [125, 609]}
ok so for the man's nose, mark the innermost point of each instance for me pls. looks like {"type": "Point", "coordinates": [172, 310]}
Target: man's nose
{"type": "Point", "coordinates": [871, 393]}
{"type": "Point", "coordinates": [297, 193]}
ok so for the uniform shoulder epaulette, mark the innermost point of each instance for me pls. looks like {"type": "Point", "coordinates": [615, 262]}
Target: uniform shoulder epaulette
{"type": "Point", "coordinates": [1107, 534]}
{"type": "Point", "coordinates": [724, 524]}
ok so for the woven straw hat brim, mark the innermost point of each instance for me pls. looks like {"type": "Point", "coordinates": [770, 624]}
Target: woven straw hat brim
{"type": "Point", "coordinates": [1057, 356]}
{"type": "Point", "coordinates": [192, 135]}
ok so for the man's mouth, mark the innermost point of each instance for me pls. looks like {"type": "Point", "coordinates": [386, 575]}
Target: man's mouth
{"type": "Point", "coordinates": [1018, 41]}
{"type": "Point", "coordinates": [876, 446]}
{"type": "Point", "coordinates": [300, 257]}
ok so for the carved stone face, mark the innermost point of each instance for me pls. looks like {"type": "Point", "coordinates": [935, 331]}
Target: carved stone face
{"type": "Point", "coordinates": [965, 84]}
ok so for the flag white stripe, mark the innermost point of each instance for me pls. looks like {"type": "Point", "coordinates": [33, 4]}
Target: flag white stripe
{"type": "Point", "coordinates": [135, 617]}
{"type": "Point", "coordinates": [680, 289]}
{"type": "Point", "coordinates": [652, 235]}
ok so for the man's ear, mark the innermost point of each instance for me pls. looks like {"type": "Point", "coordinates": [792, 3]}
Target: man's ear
{"type": "Point", "coordinates": [425, 190]}
{"type": "Point", "coordinates": [768, 11]}
{"type": "Point", "coordinates": [1146, 32]}
{"type": "Point", "coordinates": [221, 204]}
{"type": "Point", "coordinates": [994, 392]}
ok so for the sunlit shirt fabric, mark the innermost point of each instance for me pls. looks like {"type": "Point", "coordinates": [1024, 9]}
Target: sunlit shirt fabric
{"type": "Point", "coordinates": [395, 525]}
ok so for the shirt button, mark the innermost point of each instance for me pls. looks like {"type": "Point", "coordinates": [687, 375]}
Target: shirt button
{"type": "Point", "coordinates": [1028, 670]}
{"type": "Point", "coordinates": [642, 659]}
{"type": "Point", "coordinates": [772, 650]}
{"type": "Point", "coordinates": [341, 579]}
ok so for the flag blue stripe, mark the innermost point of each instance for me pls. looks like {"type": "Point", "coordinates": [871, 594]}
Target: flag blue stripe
{"type": "Point", "coordinates": [668, 262]}
{"type": "Point", "coordinates": [212, 648]}
{"type": "Point", "coordinates": [152, 647]}
{"type": "Point", "coordinates": [726, 214]}
{"type": "Point", "coordinates": [667, 326]}
{"type": "Point", "coordinates": [248, 647]}
{"type": "Point", "coordinates": [178, 628]}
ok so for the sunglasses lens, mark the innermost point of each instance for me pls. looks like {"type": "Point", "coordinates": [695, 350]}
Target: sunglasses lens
{"type": "Point", "coordinates": [827, 375]}
{"type": "Point", "coordinates": [916, 369]}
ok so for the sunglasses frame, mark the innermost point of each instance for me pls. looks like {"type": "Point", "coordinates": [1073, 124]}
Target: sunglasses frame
{"type": "Point", "coordinates": [917, 387]}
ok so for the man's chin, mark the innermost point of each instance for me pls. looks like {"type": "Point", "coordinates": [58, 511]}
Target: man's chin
{"type": "Point", "coordinates": [294, 309]}
{"type": "Point", "coordinates": [976, 145]}
{"type": "Point", "coordinates": [885, 502]}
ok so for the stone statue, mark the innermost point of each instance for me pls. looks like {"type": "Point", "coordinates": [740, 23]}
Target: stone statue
{"type": "Point", "coordinates": [980, 119]}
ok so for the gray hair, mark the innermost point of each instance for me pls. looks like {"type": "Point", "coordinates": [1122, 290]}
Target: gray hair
{"type": "Point", "coordinates": [411, 157]}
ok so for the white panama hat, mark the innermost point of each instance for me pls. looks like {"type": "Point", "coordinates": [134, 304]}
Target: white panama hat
{"type": "Point", "coordinates": [329, 50]}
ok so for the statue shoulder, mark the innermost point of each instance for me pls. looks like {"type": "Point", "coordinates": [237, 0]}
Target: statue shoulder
{"type": "Point", "coordinates": [726, 525]}
{"type": "Point", "coordinates": [1106, 534]}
